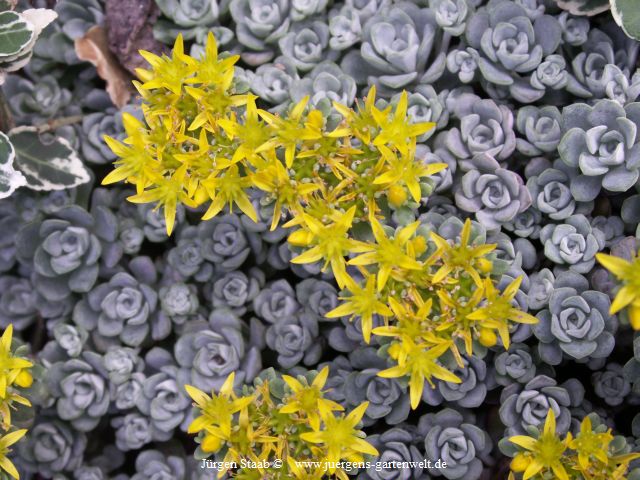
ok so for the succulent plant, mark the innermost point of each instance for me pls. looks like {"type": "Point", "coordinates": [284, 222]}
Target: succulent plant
{"type": "Point", "coordinates": [459, 443]}
{"type": "Point", "coordinates": [521, 406]}
{"type": "Point", "coordinates": [515, 365]}
{"type": "Point", "coordinates": [401, 46]}
{"type": "Point", "coordinates": [260, 24]}
{"type": "Point", "coordinates": [154, 464]}
{"type": "Point", "coordinates": [394, 445]}
{"type": "Point", "coordinates": [296, 339]}
{"type": "Point", "coordinates": [600, 141]}
{"type": "Point", "coordinates": [80, 390]}
{"type": "Point", "coordinates": [496, 195]}
{"type": "Point", "coordinates": [121, 310]}
{"type": "Point", "coordinates": [485, 127]}
{"type": "Point", "coordinates": [53, 447]}
{"type": "Point", "coordinates": [64, 250]}
{"type": "Point", "coordinates": [577, 323]}
{"type": "Point", "coordinates": [511, 45]}
{"type": "Point", "coordinates": [325, 84]}
{"type": "Point", "coordinates": [307, 44]}
{"type": "Point", "coordinates": [611, 385]}
{"type": "Point", "coordinates": [208, 352]}
{"type": "Point", "coordinates": [572, 244]}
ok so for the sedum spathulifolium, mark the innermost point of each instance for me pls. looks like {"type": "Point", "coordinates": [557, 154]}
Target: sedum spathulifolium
{"type": "Point", "coordinates": [337, 181]}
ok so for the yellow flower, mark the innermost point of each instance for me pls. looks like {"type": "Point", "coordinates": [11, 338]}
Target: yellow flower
{"type": "Point", "coordinates": [362, 301]}
{"type": "Point", "coordinates": [300, 472]}
{"type": "Point", "coordinates": [629, 295]}
{"type": "Point", "coordinates": [12, 369]}
{"type": "Point", "coordinates": [544, 453]}
{"type": "Point", "coordinates": [406, 170]}
{"type": "Point", "coordinates": [589, 443]}
{"type": "Point", "coordinates": [340, 437]}
{"type": "Point", "coordinates": [397, 130]}
{"type": "Point", "coordinates": [5, 442]}
{"type": "Point", "coordinates": [359, 124]}
{"type": "Point", "coordinates": [409, 323]}
{"type": "Point", "coordinates": [419, 363]}
{"type": "Point", "coordinates": [250, 134]}
{"type": "Point", "coordinates": [462, 256]}
{"type": "Point", "coordinates": [328, 242]}
{"type": "Point", "coordinates": [388, 253]}
{"type": "Point", "coordinates": [289, 131]}
{"type": "Point", "coordinates": [217, 410]}
{"type": "Point", "coordinates": [274, 178]}
{"type": "Point", "coordinates": [168, 193]}
{"type": "Point", "coordinates": [499, 310]}
{"type": "Point", "coordinates": [135, 162]}
{"type": "Point", "coordinates": [306, 399]}
{"type": "Point", "coordinates": [212, 71]}
{"type": "Point", "coordinates": [170, 73]}
{"type": "Point", "coordinates": [226, 188]}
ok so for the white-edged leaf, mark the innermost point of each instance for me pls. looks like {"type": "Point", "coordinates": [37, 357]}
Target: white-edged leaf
{"type": "Point", "coordinates": [10, 178]}
{"type": "Point", "coordinates": [39, 18]}
{"type": "Point", "coordinates": [53, 165]}
{"type": "Point", "coordinates": [626, 13]}
{"type": "Point", "coordinates": [18, 35]}
{"type": "Point", "coordinates": [16, 32]}
{"type": "Point", "coordinates": [584, 7]}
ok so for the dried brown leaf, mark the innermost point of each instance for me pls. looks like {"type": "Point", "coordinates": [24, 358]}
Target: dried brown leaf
{"type": "Point", "coordinates": [94, 47]}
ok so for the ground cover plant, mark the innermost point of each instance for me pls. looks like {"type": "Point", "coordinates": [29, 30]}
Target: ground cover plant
{"type": "Point", "coordinates": [304, 240]}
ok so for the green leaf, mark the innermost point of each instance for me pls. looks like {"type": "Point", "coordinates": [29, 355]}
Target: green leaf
{"type": "Point", "coordinates": [47, 165]}
{"type": "Point", "coordinates": [7, 5]}
{"type": "Point", "coordinates": [15, 34]}
{"type": "Point", "coordinates": [626, 13]}
{"type": "Point", "coordinates": [584, 7]}
{"type": "Point", "coordinates": [10, 179]}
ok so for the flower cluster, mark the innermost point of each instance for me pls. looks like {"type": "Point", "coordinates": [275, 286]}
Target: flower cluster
{"type": "Point", "coordinates": [14, 376]}
{"type": "Point", "coordinates": [197, 147]}
{"type": "Point", "coordinates": [592, 453]}
{"type": "Point", "coordinates": [433, 203]}
{"type": "Point", "coordinates": [284, 420]}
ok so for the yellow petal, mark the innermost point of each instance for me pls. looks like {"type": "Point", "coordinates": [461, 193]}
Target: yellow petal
{"type": "Point", "coordinates": [360, 445]}
{"type": "Point", "coordinates": [616, 265]}
{"type": "Point", "coordinates": [293, 384]}
{"type": "Point", "coordinates": [342, 311]}
{"type": "Point", "coordinates": [534, 467]}
{"type": "Point", "coordinates": [227, 386]}
{"type": "Point", "coordinates": [197, 395]}
{"type": "Point", "coordinates": [416, 386]}
{"type": "Point", "coordinates": [523, 441]}
{"type": "Point", "coordinates": [624, 297]}
{"type": "Point", "coordinates": [550, 423]}
{"type": "Point", "coordinates": [6, 338]}
{"type": "Point", "coordinates": [8, 467]}
{"type": "Point", "coordinates": [11, 438]}
{"type": "Point", "coordinates": [198, 424]}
